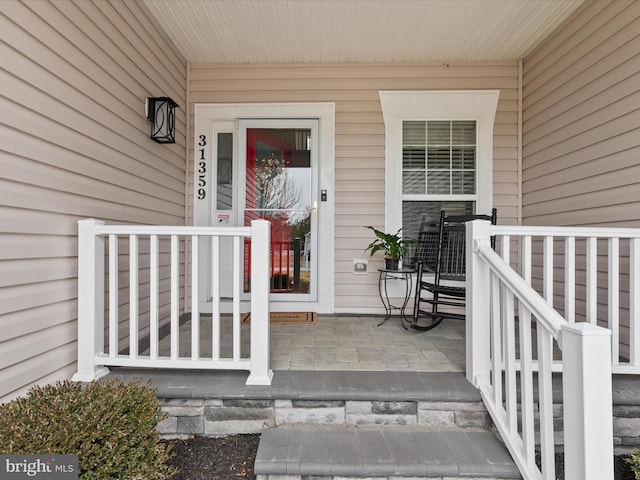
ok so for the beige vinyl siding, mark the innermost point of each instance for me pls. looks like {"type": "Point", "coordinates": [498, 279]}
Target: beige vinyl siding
{"type": "Point", "coordinates": [581, 129]}
{"type": "Point", "coordinates": [74, 143]}
{"type": "Point", "coordinates": [360, 143]}
{"type": "Point", "coordinates": [581, 133]}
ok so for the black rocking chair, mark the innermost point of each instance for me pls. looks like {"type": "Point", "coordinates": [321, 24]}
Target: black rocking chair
{"type": "Point", "coordinates": [441, 254]}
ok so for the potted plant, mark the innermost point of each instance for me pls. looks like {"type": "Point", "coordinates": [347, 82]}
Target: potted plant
{"type": "Point", "coordinates": [392, 244]}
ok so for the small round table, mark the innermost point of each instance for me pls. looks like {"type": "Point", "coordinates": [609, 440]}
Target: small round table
{"type": "Point", "coordinates": [386, 276]}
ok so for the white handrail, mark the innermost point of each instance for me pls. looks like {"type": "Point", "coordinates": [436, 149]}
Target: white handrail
{"type": "Point", "coordinates": [102, 229]}
{"type": "Point", "coordinates": [544, 231]}
{"type": "Point", "coordinates": [547, 316]}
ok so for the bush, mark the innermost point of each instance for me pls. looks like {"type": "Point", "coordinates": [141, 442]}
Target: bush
{"type": "Point", "coordinates": [634, 461]}
{"type": "Point", "coordinates": [110, 425]}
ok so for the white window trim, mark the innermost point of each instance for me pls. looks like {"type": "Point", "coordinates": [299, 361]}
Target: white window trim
{"type": "Point", "coordinates": [478, 105]}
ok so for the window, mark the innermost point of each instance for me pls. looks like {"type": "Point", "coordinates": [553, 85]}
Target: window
{"type": "Point", "coordinates": [224, 181]}
{"type": "Point", "coordinates": [438, 158]}
{"type": "Point", "coordinates": [438, 155]}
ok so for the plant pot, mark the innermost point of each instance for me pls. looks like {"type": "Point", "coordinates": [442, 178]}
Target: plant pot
{"type": "Point", "coordinates": [391, 263]}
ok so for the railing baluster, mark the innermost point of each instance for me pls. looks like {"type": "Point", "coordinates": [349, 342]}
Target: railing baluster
{"type": "Point", "coordinates": [133, 296]}
{"type": "Point", "coordinates": [634, 301]}
{"type": "Point", "coordinates": [496, 340]}
{"type": "Point", "coordinates": [237, 248]}
{"type": "Point", "coordinates": [511, 399]}
{"type": "Point", "coordinates": [526, 359]}
{"type": "Point", "coordinates": [526, 385]}
{"type": "Point", "coordinates": [153, 296]}
{"type": "Point", "coordinates": [592, 280]}
{"type": "Point", "coordinates": [526, 259]}
{"type": "Point", "coordinates": [175, 299]}
{"type": "Point", "coordinates": [505, 249]}
{"type": "Point", "coordinates": [570, 279]}
{"type": "Point", "coordinates": [113, 295]}
{"type": "Point", "coordinates": [509, 345]}
{"type": "Point", "coordinates": [215, 298]}
{"type": "Point", "coordinates": [195, 299]}
{"type": "Point", "coordinates": [613, 298]}
{"type": "Point", "coordinates": [545, 402]}
{"type": "Point", "coordinates": [547, 269]}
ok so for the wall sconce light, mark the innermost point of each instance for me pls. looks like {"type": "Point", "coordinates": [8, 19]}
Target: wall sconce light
{"type": "Point", "coordinates": [161, 114]}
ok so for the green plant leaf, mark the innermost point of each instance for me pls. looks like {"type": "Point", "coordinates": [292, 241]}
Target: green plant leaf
{"type": "Point", "coordinates": [393, 245]}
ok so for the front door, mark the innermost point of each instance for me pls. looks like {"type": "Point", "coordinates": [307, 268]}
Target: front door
{"type": "Point", "coordinates": [263, 161]}
{"type": "Point", "coordinates": [278, 182]}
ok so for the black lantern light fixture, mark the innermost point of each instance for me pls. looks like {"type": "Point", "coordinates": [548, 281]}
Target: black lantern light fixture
{"type": "Point", "coordinates": [161, 114]}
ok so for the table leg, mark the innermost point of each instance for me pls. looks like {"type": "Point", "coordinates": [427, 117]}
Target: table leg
{"type": "Point", "coordinates": [407, 290]}
{"type": "Point", "coordinates": [384, 296]}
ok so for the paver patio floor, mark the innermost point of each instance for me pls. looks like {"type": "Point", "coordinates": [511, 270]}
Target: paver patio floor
{"type": "Point", "coordinates": [343, 342]}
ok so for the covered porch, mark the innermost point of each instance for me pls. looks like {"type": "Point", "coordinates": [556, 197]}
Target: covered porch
{"type": "Point", "coordinates": [340, 343]}
{"type": "Point", "coordinates": [562, 150]}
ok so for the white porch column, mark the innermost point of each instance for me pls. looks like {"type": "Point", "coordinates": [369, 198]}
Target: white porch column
{"type": "Point", "coordinates": [260, 373]}
{"type": "Point", "coordinates": [90, 301]}
{"type": "Point", "coordinates": [478, 301]}
{"type": "Point", "coordinates": [588, 409]}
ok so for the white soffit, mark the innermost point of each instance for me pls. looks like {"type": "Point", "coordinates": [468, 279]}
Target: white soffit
{"type": "Point", "coordinates": [305, 31]}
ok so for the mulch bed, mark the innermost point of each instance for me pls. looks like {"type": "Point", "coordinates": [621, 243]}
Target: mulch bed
{"type": "Point", "coordinates": [224, 458]}
{"type": "Point", "coordinates": [621, 468]}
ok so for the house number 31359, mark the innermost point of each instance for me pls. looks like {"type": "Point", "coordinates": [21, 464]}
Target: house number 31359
{"type": "Point", "coordinates": [202, 169]}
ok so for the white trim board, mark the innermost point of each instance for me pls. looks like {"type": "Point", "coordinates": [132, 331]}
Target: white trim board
{"type": "Point", "coordinates": [479, 105]}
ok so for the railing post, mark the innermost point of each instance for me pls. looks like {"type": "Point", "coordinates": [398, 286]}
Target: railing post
{"type": "Point", "coordinates": [90, 301]}
{"type": "Point", "coordinates": [260, 373]}
{"type": "Point", "coordinates": [588, 409]}
{"type": "Point", "coordinates": [478, 301]}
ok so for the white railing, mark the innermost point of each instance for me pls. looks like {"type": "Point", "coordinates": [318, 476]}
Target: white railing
{"type": "Point", "coordinates": [588, 274]}
{"type": "Point", "coordinates": [503, 311]}
{"type": "Point", "coordinates": [143, 290]}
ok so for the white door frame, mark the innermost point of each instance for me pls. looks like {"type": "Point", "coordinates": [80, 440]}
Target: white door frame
{"type": "Point", "coordinates": [208, 114]}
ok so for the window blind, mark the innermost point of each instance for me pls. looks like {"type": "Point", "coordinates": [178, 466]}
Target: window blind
{"type": "Point", "coordinates": [439, 157]}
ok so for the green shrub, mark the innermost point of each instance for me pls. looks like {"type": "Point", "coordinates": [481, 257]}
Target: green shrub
{"type": "Point", "coordinates": [634, 461]}
{"type": "Point", "coordinates": [110, 425]}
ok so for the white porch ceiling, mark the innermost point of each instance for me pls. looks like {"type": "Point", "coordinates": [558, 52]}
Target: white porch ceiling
{"type": "Point", "coordinates": [303, 31]}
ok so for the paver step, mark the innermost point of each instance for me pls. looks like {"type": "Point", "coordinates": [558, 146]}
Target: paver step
{"type": "Point", "coordinates": [380, 453]}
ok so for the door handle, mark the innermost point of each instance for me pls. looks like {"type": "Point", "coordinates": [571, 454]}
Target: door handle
{"type": "Point", "coordinates": [315, 210]}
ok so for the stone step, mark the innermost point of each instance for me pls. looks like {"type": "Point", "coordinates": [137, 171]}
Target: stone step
{"type": "Point", "coordinates": [381, 453]}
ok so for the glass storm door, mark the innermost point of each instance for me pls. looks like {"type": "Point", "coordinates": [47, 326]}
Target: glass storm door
{"type": "Point", "coordinates": [280, 179]}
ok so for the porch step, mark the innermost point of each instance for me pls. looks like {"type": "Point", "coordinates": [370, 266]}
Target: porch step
{"type": "Point", "coordinates": [382, 453]}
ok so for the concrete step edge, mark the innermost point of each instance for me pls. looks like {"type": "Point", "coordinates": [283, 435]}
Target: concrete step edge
{"type": "Point", "coordinates": [382, 453]}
